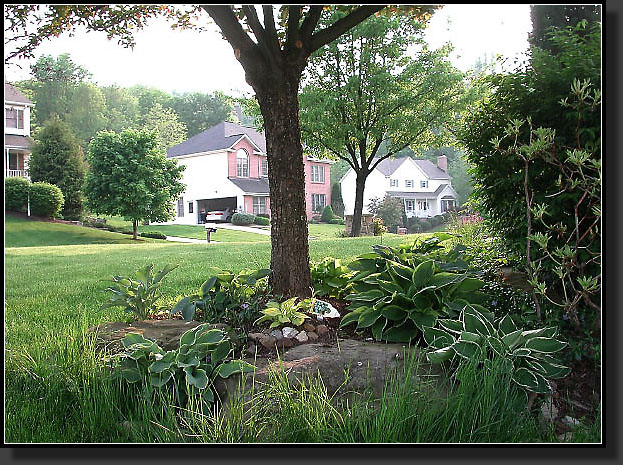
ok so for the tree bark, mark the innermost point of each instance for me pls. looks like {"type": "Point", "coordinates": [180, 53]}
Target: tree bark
{"type": "Point", "coordinates": [286, 174]}
{"type": "Point", "coordinates": [360, 184]}
{"type": "Point", "coordinates": [134, 229]}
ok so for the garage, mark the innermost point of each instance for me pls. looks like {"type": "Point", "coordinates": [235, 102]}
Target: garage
{"type": "Point", "coordinates": [220, 204]}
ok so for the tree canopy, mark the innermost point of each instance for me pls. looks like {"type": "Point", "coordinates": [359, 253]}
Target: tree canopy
{"type": "Point", "coordinates": [129, 177]}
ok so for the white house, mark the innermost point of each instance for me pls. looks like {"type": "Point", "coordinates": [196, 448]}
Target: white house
{"type": "Point", "coordinates": [227, 167]}
{"type": "Point", "coordinates": [16, 132]}
{"type": "Point", "coordinates": [425, 188]}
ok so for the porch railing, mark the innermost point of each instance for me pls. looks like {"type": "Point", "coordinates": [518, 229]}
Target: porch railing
{"type": "Point", "coordinates": [15, 173]}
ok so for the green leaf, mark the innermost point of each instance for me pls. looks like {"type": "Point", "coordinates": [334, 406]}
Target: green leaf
{"type": "Point", "coordinates": [209, 336]}
{"type": "Point", "coordinates": [547, 369]}
{"type": "Point", "coordinates": [545, 344]}
{"type": "Point", "coordinates": [470, 337]}
{"type": "Point", "coordinates": [453, 326]}
{"type": "Point", "coordinates": [440, 355]}
{"type": "Point", "coordinates": [363, 264]}
{"type": "Point", "coordinates": [134, 338]}
{"type": "Point", "coordinates": [512, 340]}
{"type": "Point", "coordinates": [164, 363]}
{"type": "Point", "coordinates": [352, 316]}
{"type": "Point", "coordinates": [422, 320]}
{"type": "Point", "coordinates": [393, 312]}
{"type": "Point", "coordinates": [542, 332]}
{"type": "Point", "coordinates": [196, 377]}
{"type": "Point", "coordinates": [221, 352]}
{"type": "Point", "coordinates": [165, 271]}
{"type": "Point", "coordinates": [130, 372]}
{"type": "Point", "coordinates": [443, 279]}
{"type": "Point", "coordinates": [469, 285]}
{"type": "Point", "coordinates": [368, 318]}
{"type": "Point", "coordinates": [378, 327]}
{"type": "Point", "coordinates": [422, 273]}
{"type": "Point", "coordinates": [507, 325]}
{"type": "Point", "coordinates": [186, 306]}
{"type": "Point", "coordinates": [207, 286]}
{"type": "Point", "coordinates": [437, 338]}
{"type": "Point", "coordinates": [401, 333]}
{"type": "Point", "coordinates": [235, 366]}
{"type": "Point", "coordinates": [467, 350]}
{"type": "Point", "coordinates": [389, 286]}
{"type": "Point", "coordinates": [474, 324]}
{"type": "Point", "coordinates": [369, 296]}
{"type": "Point", "coordinates": [531, 381]}
{"type": "Point", "coordinates": [160, 379]}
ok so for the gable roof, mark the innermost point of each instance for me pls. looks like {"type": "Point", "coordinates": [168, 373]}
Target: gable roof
{"type": "Point", "coordinates": [219, 137]}
{"type": "Point", "coordinates": [12, 94]}
{"type": "Point", "coordinates": [422, 195]}
{"type": "Point", "coordinates": [390, 165]}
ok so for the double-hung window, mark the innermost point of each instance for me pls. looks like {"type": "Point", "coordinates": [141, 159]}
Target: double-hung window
{"type": "Point", "coordinates": [180, 207]}
{"type": "Point", "coordinates": [263, 167]}
{"type": "Point", "coordinates": [393, 183]}
{"type": "Point", "coordinates": [242, 163]}
{"type": "Point", "coordinates": [422, 204]}
{"type": "Point", "coordinates": [410, 205]}
{"type": "Point", "coordinates": [14, 118]}
{"type": "Point", "coordinates": [259, 205]}
{"type": "Point", "coordinates": [424, 184]}
{"type": "Point", "coordinates": [318, 202]}
{"type": "Point", "coordinates": [408, 182]}
{"type": "Point", "coordinates": [317, 174]}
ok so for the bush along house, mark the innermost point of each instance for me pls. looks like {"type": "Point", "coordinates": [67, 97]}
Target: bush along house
{"type": "Point", "coordinates": [227, 168]}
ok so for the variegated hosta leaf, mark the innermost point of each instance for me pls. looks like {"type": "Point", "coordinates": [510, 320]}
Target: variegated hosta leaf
{"type": "Point", "coordinates": [531, 381]}
{"type": "Point", "coordinates": [440, 355]}
{"type": "Point", "coordinates": [160, 379]}
{"type": "Point", "coordinates": [545, 344]}
{"type": "Point", "coordinates": [196, 377]}
{"type": "Point", "coordinates": [438, 338]}
{"type": "Point", "coordinates": [467, 350]}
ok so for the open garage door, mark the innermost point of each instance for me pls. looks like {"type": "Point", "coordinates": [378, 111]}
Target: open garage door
{"type": "Point", "coordinates": [220, 204]}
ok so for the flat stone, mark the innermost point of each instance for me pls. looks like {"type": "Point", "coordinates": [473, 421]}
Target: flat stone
{"type": "Point", "coordinates": [166, 333]}
{"type": "Point", "coordinates": [277, 334]}
{"type": "Point", "coordinates": [251, 350]}
{"type": "Point", "coordinates": [302, 337]}
{"type": "Point", "coordinates": [570, 422]}
{"type": "Point", "coordinates": [284, 343]}
{"type": "Point", "coordinates": [289, 332]}
{"type": "Point", "coordinates": [267, 341]}
{"type": "Point", "coordinates": [309, 327]}
{"type": "Point", "coordinates": [312, 336]}
{"type": "Point", "coordinates": [321, 330]}
{"type": "Point", "coordinates": [549, 412]}
{"type": "Point", "coordinates": [565, 437]}
{"type": "Point", "coordinates": [368, 365]}
{"type": "Point", "coordinates": [255, 336]}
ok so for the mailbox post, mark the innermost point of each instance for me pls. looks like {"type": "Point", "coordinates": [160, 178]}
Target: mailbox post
{"type": "Point", "coordinates": [210, 228]}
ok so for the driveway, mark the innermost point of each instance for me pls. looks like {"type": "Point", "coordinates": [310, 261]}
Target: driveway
{"type": "Point", "coordinates": [265, 232]}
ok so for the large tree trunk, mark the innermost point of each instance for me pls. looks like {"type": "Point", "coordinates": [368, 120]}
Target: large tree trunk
{"type": "Point", "coordinates": [360, 184]}
{"type": "Point", "coordinates": [289, 247]}
{"type": "Point", "coordinates": [134, 229]}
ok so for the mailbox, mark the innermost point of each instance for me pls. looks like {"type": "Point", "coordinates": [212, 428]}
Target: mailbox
{"type": "Point", "coordinates": [210, 228]}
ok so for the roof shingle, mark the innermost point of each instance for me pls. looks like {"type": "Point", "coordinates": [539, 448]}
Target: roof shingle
{"type": "Point", "coordinates": [11, 94]}
{"type": "Point", "coordinates": [219, 137]}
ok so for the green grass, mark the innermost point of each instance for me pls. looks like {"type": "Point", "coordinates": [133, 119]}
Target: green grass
{"type": "Point", "coordinates": [56, 389]}
{"type": "Point", "coordinates": [19, 232]}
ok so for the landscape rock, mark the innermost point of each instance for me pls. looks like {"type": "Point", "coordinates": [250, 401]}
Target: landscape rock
{"type": "Point", "coordinates": [367, 365]}
{"type": "Point", "coordinates": [267, 341]}
{"type": "Point", "coordinates": [321, 330]}
{"type": "Point", "coordinates": [565, 437]}
{"type": "Point", "coordinates": [254, 336]}
{"type": "Point", "coordinates": [277, 334]}
{"type": "Point", "coordinates": [312, 336]}
{"type": "Point", "coordinates": [309, 327]}
{"type": "Point", "coordinates": [549, 412]}
{"type": "Point", "coordinates": [251, 350]}
{"type": "Point", "coordinates": [284, 343]}
{"type": "Point", "coordinates": [289, 332]}
{"type": "Point", "coordinates": [166, 333]}
{"type": "Point", "coordinates": [570, 422]}
{"type": "Point", "coordinates": [302, 337]}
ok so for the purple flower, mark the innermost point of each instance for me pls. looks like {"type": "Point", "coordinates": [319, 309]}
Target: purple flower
{"type": "Point", "coordinates": [244, 306]}
{"type": "Point", "coordinates": [565, 317]}
{"type": "Point", "coordinates": [494, 303]}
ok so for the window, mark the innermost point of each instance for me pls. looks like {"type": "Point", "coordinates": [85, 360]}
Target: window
{"type": "Point", "coordinates": [180, 207]}
{"type": "Point", "coordinates": [422, 204]}
{"type": "Point", "coordinates": [408, 182]}
{"type": "Point", "coordinates": [409, 205]}
{"type": "Point", "coordinates": [318, 202]}
{"type": "Point", "coordinates": [424, 184]}
{"type": "Point", "coordinates": [317, 174]}
{"type": "Point", "coordinates": [14, 118]}
{"type": "Point", "coordinates": [190, 207]}
{"type": "Point", "coordinates": [263, 167]}
{"type": "Point", "coordinates": [259, 205]}
{"type": "Point", "coordinates": [393, 183]}
{"type": "Point", "coordinates": [242, 163]}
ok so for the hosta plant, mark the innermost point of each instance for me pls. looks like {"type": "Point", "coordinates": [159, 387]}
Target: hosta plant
{"type": "Point", "coordinates": [281, 313]}
{"type": "Point", "coordinates": [191, 369]}
{"type": "Point", "coordinates": [397, 301]}
{"type": "Point", "coordinates": [330, 278]}
{"type": "Point", "coordinates": [138, 295]}
{"type": "Point", "coordinates": [528, 355]}
{"type": "Point", "coordinates": [227, 296]}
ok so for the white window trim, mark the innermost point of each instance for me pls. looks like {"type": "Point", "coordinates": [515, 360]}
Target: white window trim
{"type": "Point", "coordinates": [424, 202]}
{"type": "Point", "coordinates": [409, 183]}
{"type": "Point", "coordinates": [317, 202]}
{"type": "Point", "coordinates": [393, 182]}
{"type": "Point", "coordinates": [424, 184]}
{"type": "Point", "coordinates": [317, 174]}
{"type": "Point", "coordinates": [409, 202]}
{"type": "Point", "coordinates": [239, 159]}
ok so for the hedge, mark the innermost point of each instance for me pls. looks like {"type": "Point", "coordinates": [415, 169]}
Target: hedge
{"type": "Point", "coordinates": [242, 219]}
{"type": "Point", "coordinates": [153, 235]}
{"type": "Point", "coordinates": [45, 199]}
{"type": "Point", "coordinates": [261, 221]}
{"type": "Point", "coordinates": [16, 194]}
{"type": "Point", "coordinates": [327, 214]}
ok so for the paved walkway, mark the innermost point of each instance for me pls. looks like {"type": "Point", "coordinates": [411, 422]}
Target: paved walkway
{"type": "Point", "coordinates": [265, 232]}
{"type": "Point", "coordinates": [189, 240]}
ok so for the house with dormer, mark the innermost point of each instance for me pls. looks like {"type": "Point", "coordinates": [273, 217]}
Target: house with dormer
{"type": "Point", "coordinates": [425, 188]}
{"type": "Point", "coordinates": [227, 167]}
{"type": "Point", "coordinates": [16, 132]}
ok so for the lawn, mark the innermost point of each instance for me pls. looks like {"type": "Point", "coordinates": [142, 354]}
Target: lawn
{"type": "Point", "coordinates": [19, 232]}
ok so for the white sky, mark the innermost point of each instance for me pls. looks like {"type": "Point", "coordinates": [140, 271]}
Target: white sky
{"type": "Point", "coordinates": [175, 60]}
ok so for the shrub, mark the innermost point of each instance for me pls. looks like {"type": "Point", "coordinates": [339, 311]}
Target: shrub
{"type": "Point", "coordinates": [153, 235]}
{"type": "Point", "coordinates": [337, 221]}
{"type": "Point", "coordinates": [280, 313]}
{"type": "Point", "coordinates": [45, 199]}
{"type": "Point", "coordinates": [138, 295]}
{"type": "Point", "coordinates": [242, 219]}
{"type": "Point", "coordinates": [191, 369]}
{"type": "Point", "coordinates": [327, 214]}
{"type": "Point", "coordinates": [263, 215]}
{"type": "Point", "coordinates": [16, 194]}
{"type": "Point", "coordinates": [415, 228]}
{"type": "Point", "coordinates": [390, 209]}
{"type": "Point", "coordinates": [425, 224]}
{"type": "Point", "coordinates": [262, 221]}
{"type": "Point", "coordinates": [330, 278]}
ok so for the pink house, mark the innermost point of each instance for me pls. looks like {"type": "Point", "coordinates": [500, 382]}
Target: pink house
{"type": "Point", "coordinates": [227, 167]}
